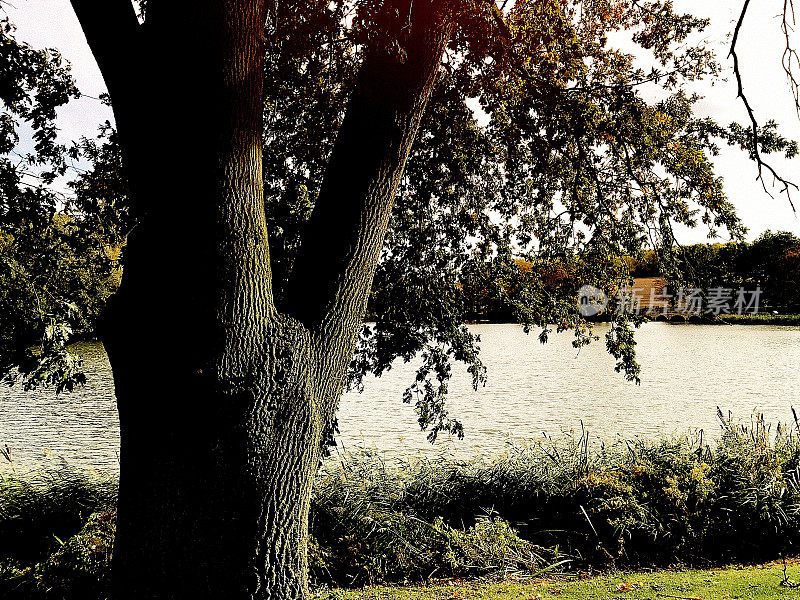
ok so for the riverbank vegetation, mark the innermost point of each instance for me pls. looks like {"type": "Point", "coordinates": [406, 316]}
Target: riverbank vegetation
{"type": "Point", "coordinates": [771, 262]}
{"type": "Point", "coordinates": [549, 507]}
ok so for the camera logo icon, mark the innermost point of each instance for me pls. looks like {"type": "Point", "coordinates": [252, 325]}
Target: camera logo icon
{"type": "Point", "coordinates": [591, 301]}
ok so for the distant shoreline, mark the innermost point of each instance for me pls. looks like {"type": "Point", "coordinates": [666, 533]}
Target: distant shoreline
{"type": "Point", "coordinates": [757, 319]}
{"type": "Point", "coordinates": [734, 319]}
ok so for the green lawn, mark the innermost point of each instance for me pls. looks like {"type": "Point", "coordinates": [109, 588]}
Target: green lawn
{"type": "Point", "coordinates": [751, 583]}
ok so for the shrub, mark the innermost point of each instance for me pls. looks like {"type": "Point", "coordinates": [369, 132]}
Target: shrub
{"type": "Point", "coordinates": [627, 503]}
{"type": "Point", "coordinates": [45, 505]}
{"type": "Point", "coordinates": [78, 570]}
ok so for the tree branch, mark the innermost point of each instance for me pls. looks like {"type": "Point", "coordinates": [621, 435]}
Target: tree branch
{"type": "Point", "coordinates": [111, 28]}
{"type": "Point", "coordinates": [787, 185]}
{"type": "Point", "coordinates": [333, 273]}
{"type": "Point", "coordinates": [790, 59]}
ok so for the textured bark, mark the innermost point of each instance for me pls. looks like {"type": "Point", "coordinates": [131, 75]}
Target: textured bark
{"type": "Point", "coordinates": [223, 399]}
{"type": "Point", "coordinates": [219, 507]}
{"type": "Point", "coordinates": [333, 273]}
{"type": "Point", "coordinates": [346, 229]}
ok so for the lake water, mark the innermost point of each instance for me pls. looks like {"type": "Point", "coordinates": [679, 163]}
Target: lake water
{"type": "Point", "coordinates": [687, 371]}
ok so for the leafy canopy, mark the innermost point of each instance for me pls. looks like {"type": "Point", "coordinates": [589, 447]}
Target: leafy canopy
{"type": "Point", "coordinates": [542, 143]}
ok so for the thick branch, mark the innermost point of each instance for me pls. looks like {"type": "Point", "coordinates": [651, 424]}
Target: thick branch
{"type": "Point", "coordinates": [110, 27]}
{"type": "Point", "coordinates": [333, 274]}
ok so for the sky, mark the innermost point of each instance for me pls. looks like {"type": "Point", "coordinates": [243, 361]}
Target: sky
{"type": "Point", "coordinates": [52, 23]}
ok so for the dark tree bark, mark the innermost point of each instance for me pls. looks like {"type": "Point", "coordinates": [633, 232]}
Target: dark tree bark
{"type": "Point", "coordinates": [223, 398]}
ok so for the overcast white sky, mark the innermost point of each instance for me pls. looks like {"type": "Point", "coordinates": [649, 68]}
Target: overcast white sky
{"type": "Point", "coordinates": [52, 23]}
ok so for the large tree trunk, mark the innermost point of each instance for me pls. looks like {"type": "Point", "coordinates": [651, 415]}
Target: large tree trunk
{"type": "Point", "coordinates": [214, 496]}
{"type": "Point", "coordinates": [224, 401]}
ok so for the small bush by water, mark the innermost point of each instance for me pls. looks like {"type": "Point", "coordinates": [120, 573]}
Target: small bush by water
{"type": "Point", "coordinates": [545, 506]}
{"type": "Point", "coordinates": [56, 531]}
{"type": "Point", "coordinates": [42, 507]}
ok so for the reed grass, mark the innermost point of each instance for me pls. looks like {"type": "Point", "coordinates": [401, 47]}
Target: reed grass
{"type": "Point", "coordinates": [52, 503]}
{"type": "Point", "coordinates": [542, 508]}
{"type": "Point", "coordinates": [626, 503]}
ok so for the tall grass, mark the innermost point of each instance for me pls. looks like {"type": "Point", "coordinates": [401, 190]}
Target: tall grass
{"type": "Point", "coordinates": [49, 504]}
{"type": "Point", "coordinates": [545, 505]}
{"type": "Point", "coordinates": [374, 523]}
{"type": "Point", "coordinates": [56, 532]}
{"type": "Point", "coordinates": [627, 503]}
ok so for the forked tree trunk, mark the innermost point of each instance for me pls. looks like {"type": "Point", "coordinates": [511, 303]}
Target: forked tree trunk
{"type": "Point", "coordinates": [223, 399]}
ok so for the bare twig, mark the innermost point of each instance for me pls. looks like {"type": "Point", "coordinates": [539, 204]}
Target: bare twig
{"type": "Point", "coordinates": [787, 185]}
{"type": "Point", "coordinates": [786, 582]}
{"type": "Point", "coordinates": [790, 57]}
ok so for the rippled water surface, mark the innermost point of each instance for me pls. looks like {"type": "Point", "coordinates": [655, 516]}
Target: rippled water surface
{"type": "Point", "coordinates": [687, 371]}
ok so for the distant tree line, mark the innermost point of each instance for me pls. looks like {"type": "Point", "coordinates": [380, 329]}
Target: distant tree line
{"type": "Point", "coordinates": [87, 271]}
{"type": "Point", "coordinates": [771, 263]}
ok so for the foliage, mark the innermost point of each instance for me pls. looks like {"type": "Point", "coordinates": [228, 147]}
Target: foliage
{"type": "Point", "coordinates": [771, 262]}
{"type": "Point", "coordinates": [56, 271]}
{"type": "Point", "coordinates": [543, 506]}
{"type": "Point", "coordinates": [538, 145]}
{"type": "Point", "coordinates": [360, 534]}
{"type": "Point", "coordinates": [56, 533]}
{"type": "Point", "coordinates": [759, 319]}
{"type": "Point", "coordinates": [630, 503]}
{"type": "Point", "coordinates": [52, 292]}
{"type": "Point", "coordinates": [78, 570]}
{"type": "Point", "coordinates": [34, 84]}
{"type": "Point", "coordinates": [43, 506]}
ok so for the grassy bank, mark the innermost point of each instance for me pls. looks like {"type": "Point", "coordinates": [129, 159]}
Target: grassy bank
{"type": "Point", "coordinates": [543, 508]}
{"type": "Point", "coordinates": [758, 319]}
{"type": "Point", "coordinates": [764, 582]}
